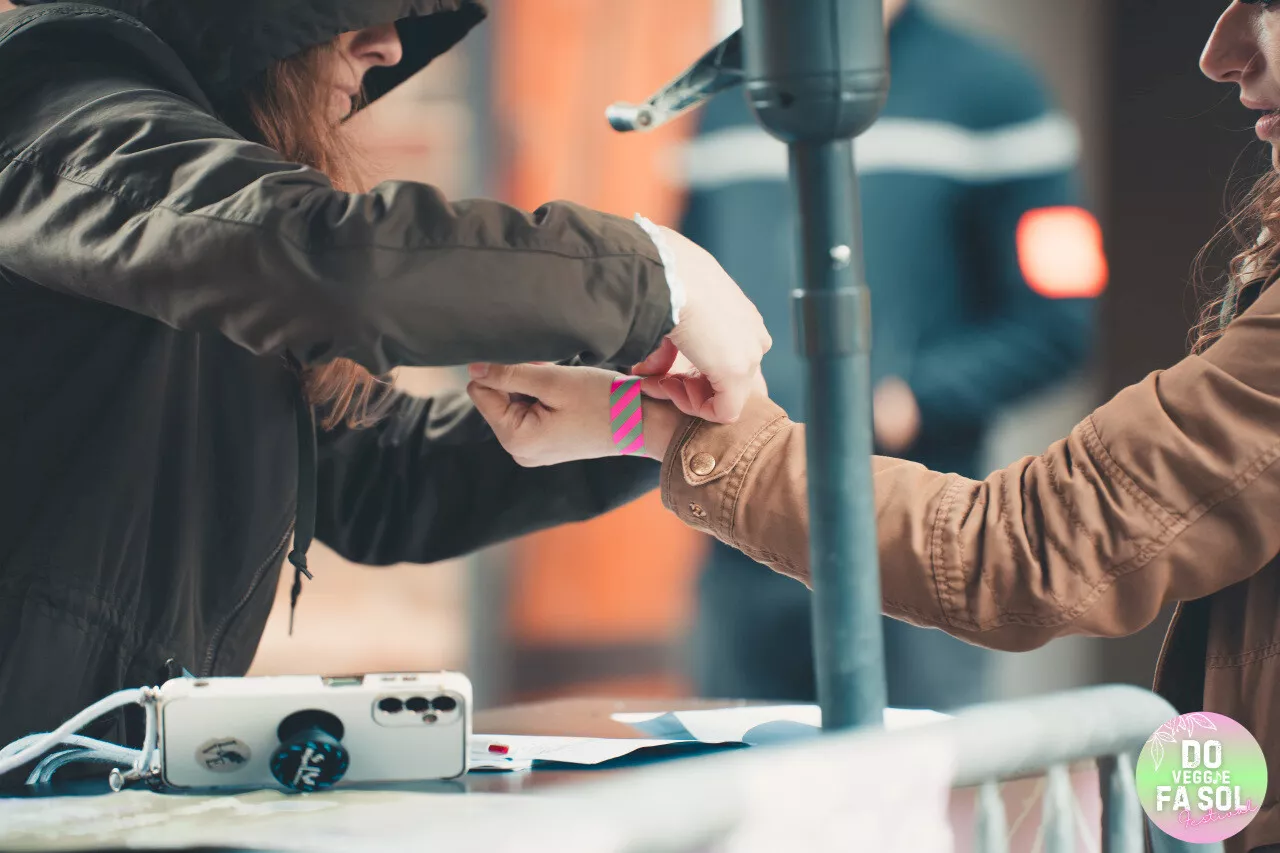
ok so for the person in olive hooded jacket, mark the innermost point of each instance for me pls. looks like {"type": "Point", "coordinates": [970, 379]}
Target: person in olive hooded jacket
{"type": "Point", "coordinates": [187, 278]}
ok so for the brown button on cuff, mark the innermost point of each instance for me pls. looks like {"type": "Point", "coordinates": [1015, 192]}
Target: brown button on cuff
{"type": "Point", "coordinates": [702, 464]}
{"type": "Point", "coordinates": [709, 451]}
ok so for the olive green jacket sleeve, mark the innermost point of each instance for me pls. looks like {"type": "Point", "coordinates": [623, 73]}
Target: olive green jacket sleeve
{"type": "Point", "coordinates": [118, 185]}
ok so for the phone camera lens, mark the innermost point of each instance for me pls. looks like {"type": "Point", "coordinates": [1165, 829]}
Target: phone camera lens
{"type": "Point", "coordinates": [417, 705]}
{"type": "Point", "coordinates": [444, 703]}
{"type": "Point", "coordinates": [390, 705]}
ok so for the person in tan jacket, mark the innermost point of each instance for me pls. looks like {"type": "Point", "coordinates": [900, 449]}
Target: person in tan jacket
{"type": "Point", "coordinates": [1167, 494]}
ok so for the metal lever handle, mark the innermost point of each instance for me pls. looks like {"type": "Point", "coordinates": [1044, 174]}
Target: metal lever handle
{"type": "Point", "coordinates": [719, 69]}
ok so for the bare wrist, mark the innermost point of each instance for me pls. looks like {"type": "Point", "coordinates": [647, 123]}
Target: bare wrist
{"type": "Point", "coordinates": [661, 423]}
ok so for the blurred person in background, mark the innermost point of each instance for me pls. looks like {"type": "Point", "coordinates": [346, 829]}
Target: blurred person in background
{"type": "Point", "coordinates": [982, 269]}
{"type": "Point", "coordinates": [192, 280]}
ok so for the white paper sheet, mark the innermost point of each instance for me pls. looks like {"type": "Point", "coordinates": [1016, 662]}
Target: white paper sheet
{"type": "Point", "coordinates": [484, 759]}
{"type": "Point", "coordinates": [586, 751]}
{"type": "Point", "coordinates": [739, 724]}
{"type": "Point", "coordinates": [728, 727]}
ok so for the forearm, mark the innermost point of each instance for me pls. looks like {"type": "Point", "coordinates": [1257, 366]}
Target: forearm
{"type": "Point", "coordinates": [431, 482]}
{"type": "Point", "coordinates": [756, 499]}
{"type": "Point", "coordinates": [944, 544]}
{"type": "Point", "coordinates": [1070, 542]}
{"type": "Point", "coordinates": [137, 198]}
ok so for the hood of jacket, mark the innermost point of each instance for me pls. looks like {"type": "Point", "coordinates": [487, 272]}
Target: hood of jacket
{"type": "Point", "coordinates": [226, 43]}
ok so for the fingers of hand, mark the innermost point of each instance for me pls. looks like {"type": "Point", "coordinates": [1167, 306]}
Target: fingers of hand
{"type": "Point", "coordinates": [722, 348]}
{"type": "Point", "coordinates": [682, 365]}
{"type": "Point", "coordinates": [700, 396]}
{"type": "Point", "coordinates": [726, 404]}
{"type": "Point", "coordinates": [700, 392]}
{"type": "Point", "coordinates": [896, 416]}
{"type": "Point", "coordinates": [673, 388]}
{"type": "Point", "coordinates": [530, 380]}
{"type": "Point", "coordinates": [493, 405]}
{"type": "Point", "coordinates": [660, 362]}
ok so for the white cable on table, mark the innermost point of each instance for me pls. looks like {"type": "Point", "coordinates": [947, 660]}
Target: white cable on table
{"type": "Point", "coordinates": [116, 752]}
{"type": "Point", "coordinates": [43, 772]}
{"type": "Point", "coordinates": [143, 765]}
{"type": "Point", "coordinates": [15, 758]}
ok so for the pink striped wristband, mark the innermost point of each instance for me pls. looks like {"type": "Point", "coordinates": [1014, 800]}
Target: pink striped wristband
{"type": "Point", "coordinates": [626, 415]}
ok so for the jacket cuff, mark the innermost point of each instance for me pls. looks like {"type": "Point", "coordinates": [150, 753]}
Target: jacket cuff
{"type": "Point", "coordinates": [652, 317]}
{"type": "Point", "coordinates": [706, 465]}
{"type": "Point", "coordinates": [674, 283]}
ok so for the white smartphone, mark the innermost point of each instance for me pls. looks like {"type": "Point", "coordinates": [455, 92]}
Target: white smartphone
{"type": "Point", "coordinates": [307, 733]}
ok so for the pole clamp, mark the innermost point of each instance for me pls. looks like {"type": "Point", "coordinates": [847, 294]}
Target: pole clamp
{"type": "Point", "coordinates": [833, 324]}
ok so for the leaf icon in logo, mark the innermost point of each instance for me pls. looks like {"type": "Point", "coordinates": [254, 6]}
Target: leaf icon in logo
{"type": "Point", "coordinates": [1204, 721]}
{"type": "Point", "coordinates": [1157, 751]}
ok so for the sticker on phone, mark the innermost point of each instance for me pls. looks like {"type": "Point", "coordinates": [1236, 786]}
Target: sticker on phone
{"type": "Point", "coordinates": [224, 754]}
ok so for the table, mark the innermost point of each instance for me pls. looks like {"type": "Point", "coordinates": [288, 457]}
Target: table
{"type": "Point", "coordinates": [472, 795]}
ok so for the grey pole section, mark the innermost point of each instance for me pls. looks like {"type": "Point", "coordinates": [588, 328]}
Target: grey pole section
{"type": "Point", "coordinates": [816, 76]}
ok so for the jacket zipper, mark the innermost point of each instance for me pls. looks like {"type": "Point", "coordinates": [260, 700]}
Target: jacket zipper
{"type": "Point", "coordinates": [215, 643]}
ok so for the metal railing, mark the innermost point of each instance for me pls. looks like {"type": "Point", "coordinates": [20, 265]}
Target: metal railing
{"type": "Point", "coordinates": [1046, 735]}
{"type": "Point", "coordinates": [704, 804]}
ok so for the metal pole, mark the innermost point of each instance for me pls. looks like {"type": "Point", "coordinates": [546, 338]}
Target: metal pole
{"type": "Point", "coordinates": [833, 315]}
{"type": "Point", "coordinates": [816, 73]}
{"type": "Point", "coordinates": [816, 76]}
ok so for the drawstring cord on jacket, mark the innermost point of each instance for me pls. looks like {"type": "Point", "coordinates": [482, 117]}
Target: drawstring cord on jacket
{"type": "Point", "coordinates": [304, 528]}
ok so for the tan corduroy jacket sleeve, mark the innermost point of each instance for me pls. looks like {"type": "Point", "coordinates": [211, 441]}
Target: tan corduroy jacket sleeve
{"type": "Point", "coordinates": [1168, 492]}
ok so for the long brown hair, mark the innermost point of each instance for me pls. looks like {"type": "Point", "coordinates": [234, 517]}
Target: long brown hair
{"type": "Point", "coordinates": [289, 106]}
{"type": "Point", "coordinates": [1254, 233]}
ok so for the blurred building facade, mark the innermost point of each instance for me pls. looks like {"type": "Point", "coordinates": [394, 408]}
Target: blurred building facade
{"type": "Point", "coordinates": [582, 615]}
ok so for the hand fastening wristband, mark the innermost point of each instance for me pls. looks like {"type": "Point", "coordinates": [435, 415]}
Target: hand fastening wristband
{"type": "Point", "coordinates": [626, 415]}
